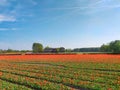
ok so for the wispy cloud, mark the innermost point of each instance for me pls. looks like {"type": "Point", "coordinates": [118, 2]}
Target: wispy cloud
{"type": "Point", "coordinates": [95, 4]}
{"type": "Point", "coordinates": [15, 10]}
{"type": "Point", "coordinates": [33, 2]}
{"type": "Point", "coordinates": [8, 29]}
{"type": "Point", "coordinates": [4, 2]}
{"type": "Point", "coordinates": [85, 7]}
{"type": "Point", "coordinates": [5, 18]}
{"type": "Point", "coordinates": [105, 4]}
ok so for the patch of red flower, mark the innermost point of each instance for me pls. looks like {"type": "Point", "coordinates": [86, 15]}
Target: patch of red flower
{"type": "Point", "coordinates": [65, 58]}
{"type": "Point", "coordinates": [1, 73]}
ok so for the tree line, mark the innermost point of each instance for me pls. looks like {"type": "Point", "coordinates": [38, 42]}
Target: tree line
{"type": "Point", "coordinates": [90, 49]}
{"type": "Point", "coordinates": [111, 47]}
{"type": "Point", "coordinates": [38, 48]}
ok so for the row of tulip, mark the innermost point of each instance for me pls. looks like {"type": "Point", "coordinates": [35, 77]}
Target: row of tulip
{"type": "Point", "coordinates": [62, 75]}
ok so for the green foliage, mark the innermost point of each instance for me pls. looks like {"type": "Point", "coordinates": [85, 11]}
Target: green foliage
{"type": "Point", "coordinates": [4, 85]}
{"type": "Point", "coordinates": [105, 48]}
{"type": "Point", "coordinates": [10, 50]}
{"type": "Point", "coordinates": [37, 47]}
{"type": "Point", "coordinates": [59, 76]}
{"type": "Point", "coordinates": [89, 49]}
{"type": "Point", "coordinates": [47, 47]}
{"type": "Point", "coordinates": [113, 47]}
{"type": "Point", "coordinates": [61, 49]}
{"type": "Point", "coordinates": [54, 50]}
{"type": "Point", "coordinates": [68, 50]}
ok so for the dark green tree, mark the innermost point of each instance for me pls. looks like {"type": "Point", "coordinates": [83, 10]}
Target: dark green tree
{"type": "Point", "coordinates": [10, 50]}
{"type": "Point", "coordinates": [68, 50]}
{"type": "Point", "coordinates": [115, 46]}
{"type": "Point", "coordinates": [61, 49]}
{"type": "Point", "coordinates": [47, 47]}
{"type": "Point", "coordinates": [37, 47]}
{"type": "Point", "coordinates": [105, 48]}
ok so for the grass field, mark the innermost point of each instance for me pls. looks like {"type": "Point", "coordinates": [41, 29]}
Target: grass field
{"type": "Point", "coordinates": [60, 72]}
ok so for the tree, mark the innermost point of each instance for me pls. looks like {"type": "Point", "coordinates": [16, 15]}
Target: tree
{"type": "Point", "coordinates": [68, 50]}
{"type": "Point", "coordinates": [105, 48]}
{"type": "Point", "coordinates": [61, 49]}
{"type": "Point", "coordinates": [115, 46]}
{"type": "Point", "coordinates": [47, 47]}
{"type": "Point", "coordinates": [10, 50]}
{"type": "Point", "coordinates": [37, 47]}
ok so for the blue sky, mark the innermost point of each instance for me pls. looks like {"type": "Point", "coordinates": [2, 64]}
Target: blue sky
{"type": "Point", "coordinates": [55, 23]}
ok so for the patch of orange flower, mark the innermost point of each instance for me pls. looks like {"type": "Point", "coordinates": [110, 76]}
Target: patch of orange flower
{"type": "Point", "coordinates": [66, 58]}
{"type": "Point", "coordinates": [1, 73]}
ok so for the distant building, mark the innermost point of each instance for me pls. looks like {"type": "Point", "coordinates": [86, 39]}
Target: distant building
{"type": "Point", "coordinates": [50, 50]}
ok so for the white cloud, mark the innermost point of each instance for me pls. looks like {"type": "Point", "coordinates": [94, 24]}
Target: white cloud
{"type": "Point", "coordinates": [7, 29]}
{"type": "Point", "coordinates": [5, 18]}
{"type": "Point", "coordinates": [86, 7]}
{"type": "Point", "coordinates": [92, 4]}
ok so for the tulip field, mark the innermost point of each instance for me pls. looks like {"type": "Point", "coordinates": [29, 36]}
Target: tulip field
{"type": "Point", "coordinates": [60, 72]}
